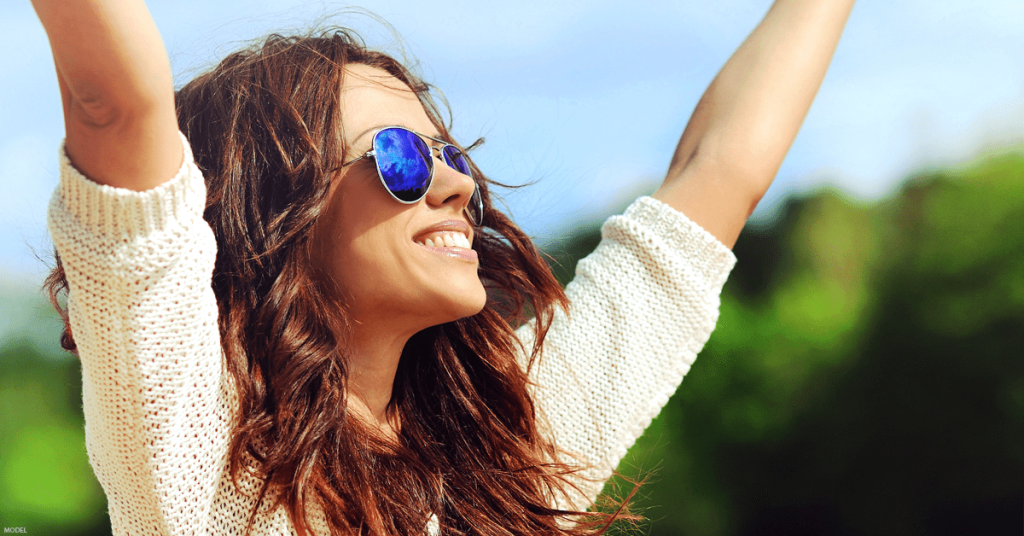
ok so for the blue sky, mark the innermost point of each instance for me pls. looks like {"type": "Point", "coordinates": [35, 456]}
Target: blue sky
{"type": "Point", "coordinates": [587, 98]}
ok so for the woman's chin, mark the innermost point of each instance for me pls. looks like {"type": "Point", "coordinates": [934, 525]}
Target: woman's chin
{"type": "Point", "coordinates": [455, 303]}
{"type": "Point", "coordinates": [467, 303]}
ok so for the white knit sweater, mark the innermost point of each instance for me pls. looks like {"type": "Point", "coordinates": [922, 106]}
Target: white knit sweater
{"type": "Point", "coordinates": [158, 400]}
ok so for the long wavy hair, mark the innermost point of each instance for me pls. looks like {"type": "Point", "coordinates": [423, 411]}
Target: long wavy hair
{"type": "Point", "coordinates": [265, 129]}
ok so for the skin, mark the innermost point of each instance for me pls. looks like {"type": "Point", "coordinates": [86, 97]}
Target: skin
{"type": "Point", "coordinates": [116, 90]}
{"type": "Point", "coordinates": [748, 117]}
{"type": "Point", "coordinates": [364, 243]}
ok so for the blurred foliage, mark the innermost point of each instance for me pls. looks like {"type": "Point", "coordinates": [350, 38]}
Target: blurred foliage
{"type": "Point", "coordinates": [46, 484]}
{"type": "Point", "coordinates": [865, 377]}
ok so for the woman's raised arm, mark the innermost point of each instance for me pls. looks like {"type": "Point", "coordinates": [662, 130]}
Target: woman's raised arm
{"type": "Point", "coordinates": [117, 91]}
{"type": "Point", "coordinates": [748, 117]}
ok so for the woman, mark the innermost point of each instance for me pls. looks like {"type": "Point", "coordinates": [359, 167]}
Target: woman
{"type": "Point", "coordinates": [300, 315]}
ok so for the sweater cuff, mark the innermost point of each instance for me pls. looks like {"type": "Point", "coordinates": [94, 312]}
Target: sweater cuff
{"type": "Point", "coordinates": [123, 213]}
{"type": "Point", "coordinates": [711, 257]}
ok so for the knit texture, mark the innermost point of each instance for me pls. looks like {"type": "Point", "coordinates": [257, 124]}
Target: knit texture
{"type": "Point", "coordinates": [643, 304]}
{"type": "Point", "coordinates": [159, 403]}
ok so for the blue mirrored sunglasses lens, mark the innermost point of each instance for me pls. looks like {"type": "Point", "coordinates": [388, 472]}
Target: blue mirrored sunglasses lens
{"type": "Point", "coordinates": [404, 163]}
{"type": "Point", "coordinates": [456, 160]}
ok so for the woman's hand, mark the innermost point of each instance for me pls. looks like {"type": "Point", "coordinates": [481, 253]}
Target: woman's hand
{"type": "Point", "coordinates": [117, 91]}
{"type": "Point", "coordinates": [747, 119]}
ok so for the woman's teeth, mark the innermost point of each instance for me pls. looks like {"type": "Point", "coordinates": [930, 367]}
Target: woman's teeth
{"type": "Point", "coordinates": [446, 240]}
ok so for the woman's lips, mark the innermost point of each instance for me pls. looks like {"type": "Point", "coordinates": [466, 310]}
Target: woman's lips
{"type": "Point", "coordinates": [456, 232]}
{"type": "Point", "coordinates": [454, 252]}
{"type": "Point", "coordinates": [450, 238]}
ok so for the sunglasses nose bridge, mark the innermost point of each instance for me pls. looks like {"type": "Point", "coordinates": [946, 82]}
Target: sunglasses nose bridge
{"type": "Point", "coordinates": [437, 153]}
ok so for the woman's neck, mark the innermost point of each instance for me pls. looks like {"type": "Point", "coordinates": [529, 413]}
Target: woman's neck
{"type": "Point", "coordinates": [372, 364]}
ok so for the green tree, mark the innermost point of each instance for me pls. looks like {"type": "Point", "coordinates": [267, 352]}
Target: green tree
{"type": "Point", "coordinates": [866, 375]}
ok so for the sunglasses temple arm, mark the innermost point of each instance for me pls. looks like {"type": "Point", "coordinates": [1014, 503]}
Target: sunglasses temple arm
{"type": "Point", "coordinates": [367, 155]}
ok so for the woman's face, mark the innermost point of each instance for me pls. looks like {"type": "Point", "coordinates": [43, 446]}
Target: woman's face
{"type": "Point", "coordinates": [371, 245]}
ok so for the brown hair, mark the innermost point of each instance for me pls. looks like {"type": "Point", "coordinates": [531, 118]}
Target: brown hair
{"type": "Point", "coordinates": [265, 129]}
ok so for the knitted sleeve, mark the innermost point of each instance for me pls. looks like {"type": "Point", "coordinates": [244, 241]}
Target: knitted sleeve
{"type": "Point", "coordinates": [642, 306]}
{"type": "Point", "coordinates": [144, 318]}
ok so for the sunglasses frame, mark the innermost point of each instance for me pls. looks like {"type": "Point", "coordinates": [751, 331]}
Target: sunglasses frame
{"type": "Point", "coordinates": [475, 197]}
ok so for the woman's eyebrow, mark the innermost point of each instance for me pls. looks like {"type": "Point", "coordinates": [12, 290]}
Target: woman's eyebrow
{"type": "Point", "coordinates": [367, 131]}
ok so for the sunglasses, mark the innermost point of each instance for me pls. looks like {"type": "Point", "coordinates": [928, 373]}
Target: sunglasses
{"type": "Point", "coordinates": [405, 165]}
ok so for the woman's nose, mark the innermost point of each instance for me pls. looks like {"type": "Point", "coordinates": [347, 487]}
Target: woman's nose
{"type": "Point", "coordinates": [450, 187]}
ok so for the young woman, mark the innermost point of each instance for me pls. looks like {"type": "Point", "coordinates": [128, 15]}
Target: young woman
{"type": "Point", "coordinates": [303, 314]}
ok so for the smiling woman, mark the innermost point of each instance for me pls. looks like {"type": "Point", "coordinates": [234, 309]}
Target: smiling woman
{"type": "Point", "coordinates": [304, 314]}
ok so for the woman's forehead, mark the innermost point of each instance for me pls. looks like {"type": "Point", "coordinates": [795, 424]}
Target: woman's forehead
{"type": "Point", "coordinates": [372, 98]}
